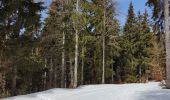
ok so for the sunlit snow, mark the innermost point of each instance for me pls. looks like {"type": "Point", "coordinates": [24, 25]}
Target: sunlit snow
{"type": "Point", "coordinates": [148, 91]}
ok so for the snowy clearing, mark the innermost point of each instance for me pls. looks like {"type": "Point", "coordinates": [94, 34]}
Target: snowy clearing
{"type": "Point", "coordinates": [149, 91]}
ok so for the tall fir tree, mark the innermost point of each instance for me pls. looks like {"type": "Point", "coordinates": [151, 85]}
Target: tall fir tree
{"type": "Point", "coordinates": [129, 35]}
{"type": "Point", "coordinates": [137, 38]}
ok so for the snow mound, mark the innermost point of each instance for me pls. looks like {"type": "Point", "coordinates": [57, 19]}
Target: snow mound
{"type": "Point", "coordinates": [148, 91]}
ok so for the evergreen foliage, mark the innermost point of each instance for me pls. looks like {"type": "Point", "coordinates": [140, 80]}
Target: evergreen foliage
{"type": "Point", "coordinates": [81, 42]}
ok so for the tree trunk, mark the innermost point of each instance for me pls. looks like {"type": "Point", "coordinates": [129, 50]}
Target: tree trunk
{"type": "Point", "coordinates": [63, 63]}
{"type": "Point", "coordinates": [112, 74]}
{"type": "Point", "coordinates": [71, 70]}
{"type": "Point", "coordinates": [103, 40]}
{"type": "Point", "coordinates": [76, 48]}
{"type": "Point", "coordinates": [3, 83]}
{"type": "Point", "coordinates": [51, 73]}
{"type": "Point", "coordinates": [1, 79]}
{"type": "Point", "coordinates": [140, 74]}
{"type": "Point", "coordinates": [76, 61]}
{"type": "Point", "coordinates": [167, 42]}
{"type": "Point", "coordinates": [103, 70]}
{"type": "Point", "coordinates": [82, 67]}
{"type": "Point", "coordinates": [45, 74]}
{"type": "Point", "coordinates": [112, 66]}
{"type": "Point", "coordinates": [14, 81]}
{"type": "Point", "coordinates": [55, 77]}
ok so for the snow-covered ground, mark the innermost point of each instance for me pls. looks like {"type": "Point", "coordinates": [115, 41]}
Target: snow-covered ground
{"type": "Point", "coordinates": [149, 91]}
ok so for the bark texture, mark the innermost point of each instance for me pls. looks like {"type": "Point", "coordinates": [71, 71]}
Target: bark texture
{"type": "Point", "coordinates": [167, 42]}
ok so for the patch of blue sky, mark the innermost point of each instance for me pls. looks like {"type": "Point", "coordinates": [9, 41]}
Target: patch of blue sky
{"type": "Point", "coordinates": [122, 8]}
{"type": "Point", "coordinates": [123, 5]}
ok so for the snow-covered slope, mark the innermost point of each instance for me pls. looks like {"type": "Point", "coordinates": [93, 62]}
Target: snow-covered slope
{"type": "Point", "coordinates": [149, 91]}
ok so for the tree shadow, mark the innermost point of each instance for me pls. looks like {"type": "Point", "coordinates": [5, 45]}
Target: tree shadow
{"type": "Point", "coordinates": [31, 96]}
{"type": "Point", "coordinates": [163, 94]}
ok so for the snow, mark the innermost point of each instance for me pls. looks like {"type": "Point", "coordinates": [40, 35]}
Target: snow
{"type": "Point", "coordinates": [148, 91]}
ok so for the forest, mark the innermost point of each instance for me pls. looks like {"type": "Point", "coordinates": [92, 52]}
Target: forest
{"type": "Point", "coordinates": [80, 42]}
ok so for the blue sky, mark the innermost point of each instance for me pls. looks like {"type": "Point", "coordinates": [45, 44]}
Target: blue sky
{"type": "Point", "coordinates": [122, 8]}
{"type": "Point", "coordinates": [47, 3]}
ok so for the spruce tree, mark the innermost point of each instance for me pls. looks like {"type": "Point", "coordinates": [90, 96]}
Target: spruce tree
{"type": "Point", "coordinates": [143, 54]}
{"type": "Point", "coordinates": [137, 45]}
{"type": "Point", "coordinates": [130, 35]}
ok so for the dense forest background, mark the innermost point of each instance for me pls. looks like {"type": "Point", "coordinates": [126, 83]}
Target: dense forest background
{"type": "Point", "coordinates": [80, 42]}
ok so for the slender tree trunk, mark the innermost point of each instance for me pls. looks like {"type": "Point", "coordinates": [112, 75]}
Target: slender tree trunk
{"type": "Point", "coordinates": [118, 77]}
{"type": "Point", "coordinates": [103, 70]}
{"type": "Point", "coordinates": [63, 63]}
{"type": "Point", "coordinates": [76, 48]}
{"type": "Point", "coordinates": [65, 78]}
{"type": "Point", "coordinates": [71, 70]}
{"type": "Point", "coordinates": [140, 74]}
{"type": "Point", "coordinates": [51, 73]}
{"type": "Point", "coordinates": [111, 53]}
{"type": "Point", "coordinates": [1, 79]}
{"type": "Point", "coordinates": [111, 65]}
{"type": "Point", "coordinates": [55, 77]}
{"type": "Point", "coordinates": [103, 44]}
{"type": "Point", "coordinates": [14, 81]}
{"type": "Point", "coordinates": [82, 67]}
{"type": "Point", "coordinates": [76, 61]}
{"type": "Point", "coordinates": [1, 84]}
{"type": "Point", "coordinates": [45, 74]}
{"type": "Point", "coordinates": [112, 74]}
{"type": "Point", "coordinates": [167, 42]}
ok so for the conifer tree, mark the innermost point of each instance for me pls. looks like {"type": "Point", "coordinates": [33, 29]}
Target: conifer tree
{"type": "Point", "coordinates": [129, 35]}
{"type": "Point", "coordinates": [137, 38]}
